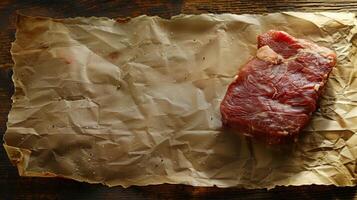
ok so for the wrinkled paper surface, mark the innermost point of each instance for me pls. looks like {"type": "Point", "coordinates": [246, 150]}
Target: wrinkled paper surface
{"type": "Point", "coordinates": [136, 102]}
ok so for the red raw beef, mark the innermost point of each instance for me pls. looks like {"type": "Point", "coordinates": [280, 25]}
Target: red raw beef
{"type": "Point", "coordinates": [274, 94]}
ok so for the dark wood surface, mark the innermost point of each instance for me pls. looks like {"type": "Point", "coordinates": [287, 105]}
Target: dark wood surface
{"type": "Point", "coordinates": [14, 187]}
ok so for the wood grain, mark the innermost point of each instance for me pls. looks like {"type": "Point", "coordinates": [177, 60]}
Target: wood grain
{"type": "Point", "coordinates": [14, 187]}
{"type": "Point", "coordinates": [261, 6]}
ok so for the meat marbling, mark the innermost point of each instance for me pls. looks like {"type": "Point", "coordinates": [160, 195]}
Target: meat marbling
{"type": "Point", "coordinates": [274, 95]}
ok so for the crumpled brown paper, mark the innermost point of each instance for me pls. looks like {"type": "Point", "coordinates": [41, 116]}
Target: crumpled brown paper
{"type": "Point", "coordinates": [137, 102]}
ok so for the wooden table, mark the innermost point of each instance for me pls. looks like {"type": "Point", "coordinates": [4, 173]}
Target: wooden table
{"type": "Point", "coordinates": [14, 187]}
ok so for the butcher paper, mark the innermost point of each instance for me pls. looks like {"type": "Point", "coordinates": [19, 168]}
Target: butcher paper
{"type": "Point", "coordinates": [136, 101]}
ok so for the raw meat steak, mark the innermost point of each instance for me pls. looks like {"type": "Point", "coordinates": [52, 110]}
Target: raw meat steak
{"type": "Point", "coordinates": [274, 94]}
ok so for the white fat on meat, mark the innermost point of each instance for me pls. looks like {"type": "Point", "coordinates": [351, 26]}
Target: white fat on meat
{"type": "Point", "coordinates": [269, 55]}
